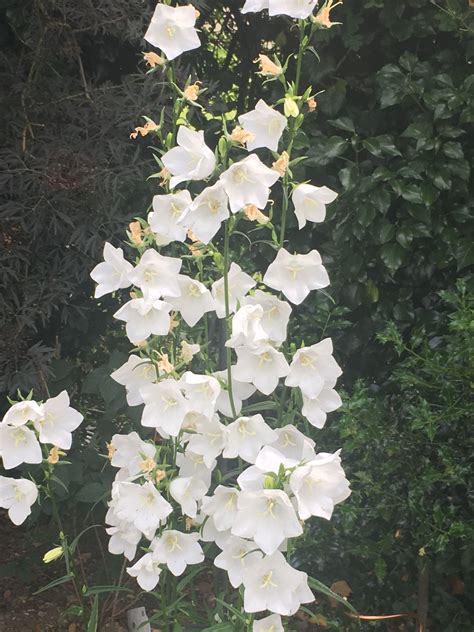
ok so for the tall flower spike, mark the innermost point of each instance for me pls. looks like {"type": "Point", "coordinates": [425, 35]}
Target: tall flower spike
{"type": "Point", "coordinates": [191, 159]}
{"type": "Point", "coordinates": [172, 30]}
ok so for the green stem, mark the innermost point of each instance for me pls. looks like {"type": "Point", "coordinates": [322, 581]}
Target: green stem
{"type": "Point", "coordinates": [227, 316]}
{"type": "Point", "coordinates": [292, 134]}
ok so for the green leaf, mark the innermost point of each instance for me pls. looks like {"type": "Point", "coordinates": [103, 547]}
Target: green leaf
{"type": "Point", "coordinates": [57, 582]}
{"type": "Point", "coordinates": [98, 590]}
{"type": "Point", "coordinates": [464, 253]}
{"type": "Point", "coordinates": [344, 122]}
{"type": "Point", "coordinates": [453, 150]}
{"type": "Point", "coordinates": [392, 255]}
{"type": "Point", "coordinates": [94, 618]}
{"type": "Point", "coordinates": [412, 193]}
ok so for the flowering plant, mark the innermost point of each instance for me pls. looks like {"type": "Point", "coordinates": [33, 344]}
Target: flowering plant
{"type": "Point", "coordinates": [215, 470]}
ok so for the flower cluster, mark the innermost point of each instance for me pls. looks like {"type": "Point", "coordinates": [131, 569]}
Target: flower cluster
{"type": "Point", "coordinates": [165, 488]}
{"type": "Point", "coordinates": [25, 426]}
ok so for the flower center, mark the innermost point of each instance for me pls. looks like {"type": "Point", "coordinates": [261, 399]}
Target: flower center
{"type": "Point", "coordinates": [267, 581]}
{"type": "Point", "coordinates": [19, 436]}
{"type": "Point", "coordinates": [170, 31]}
{"type": "Point", "coordinates": [169, 403]}
{"type": "Point", "coordinates": [306, 361]}
{"type": "Point", "coordinates": [172, 543]}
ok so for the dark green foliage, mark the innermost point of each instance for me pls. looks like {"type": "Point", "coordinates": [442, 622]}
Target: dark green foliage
{"type": "Point", "coordinates": [407, 449]}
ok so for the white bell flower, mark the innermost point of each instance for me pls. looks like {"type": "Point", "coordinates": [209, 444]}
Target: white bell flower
{"type": "Point", "coordinates": [191, 159]}
{"type": "Point", "coordinates": [266, 125]}
{"type": "Point", "coordinates": [22, 412]}
{"type": "Point", "coordinates": [239, 283]}
{"type": "Point", "coordinates": [252, 479]}
{"type": "Point", "coordinates": [192, 464]}
{"type": "Point", "coordinates": [177, 550]}
{"type": "Point", "coordinates": [315, 410]}
{"type": "Point", "coordinates": [17, 495]}
{"type": "Point", "coordinates": [222, 506]}
{"type": "Point", "coordinates": [134, 374]}
{"type": "Point", "coordinates": [248, 182]}
{"type": "Point", "coordinates": [293, 444]}
{"type": "Point", "coordinates": [113, 273]}
{"type": "Point", "coordinates": [209, 439]}
{"type": "Point", "coordinates": [246, 436]}
{"type": "Point", "coordinates": [310, 203]}
{"type": "Point", "coordinates": [157, 275]}
{"type": "Point", "coordinates": [268, 624]}
{"type": "Point", "coordinates": [237, 557]}
{"type": "Point", "coordinates": [163, 220]}
{"type": "Point", "coordinates": [320, 485]}
{"type": "Point", "coordinates": [267, 517]}
{"type": "Point", "coordinates": [252, 6]}
{"type": "Point", "coordinates": [142, 505]}
{"type": "Point", "coordinates": [124, 537]}
{"type": "Point", "coordinates": [194, 300]}
{"type": "Point", "coordinates": [165, 407]}
{"type": "Point", "coordinates": [240, 392]}
{"type": "Point", "coordinates": [300, 9]}
{"type": "Point", "coordinates": [313, 367]}
{"type": "Point", "coordinates": [129, 451]}
{"type": "Point", "coordinates": [172, 30]}
{"type": "Point", "coordinates": [272, 584]}
{"type": "Point", "coordinates": [201, 391]}
{"type": "Point", "coordinates": [296, 275]}
{"type": "Point", "coordinates": [144, 319]}
{"type": "Point", "coordinates": [58, 421]}
{"type": "Point", "coordinates": [187, 491]}
{"type": "Point", "coordinates": [18, 444]}
{"type": "Point", "coordinates": [263, 367]}
{"type": "Point", "coordinates": [247, 330]}
{"type": "Point", "coordinates": [276, 314]}
{"type": "Point", "coordinates": [147, 571]}
{"type": "Point", "coordinates": [205, 215]}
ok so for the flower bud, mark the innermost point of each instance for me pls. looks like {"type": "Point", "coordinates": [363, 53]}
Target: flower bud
{"type": "Point", "coordinates": [53, 554]}
{"type": "Point", "coordinates": [290, 107]}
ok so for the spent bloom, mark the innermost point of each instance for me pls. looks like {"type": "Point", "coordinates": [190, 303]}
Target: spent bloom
{"type": "Point", "coordinates": [172, 30]}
